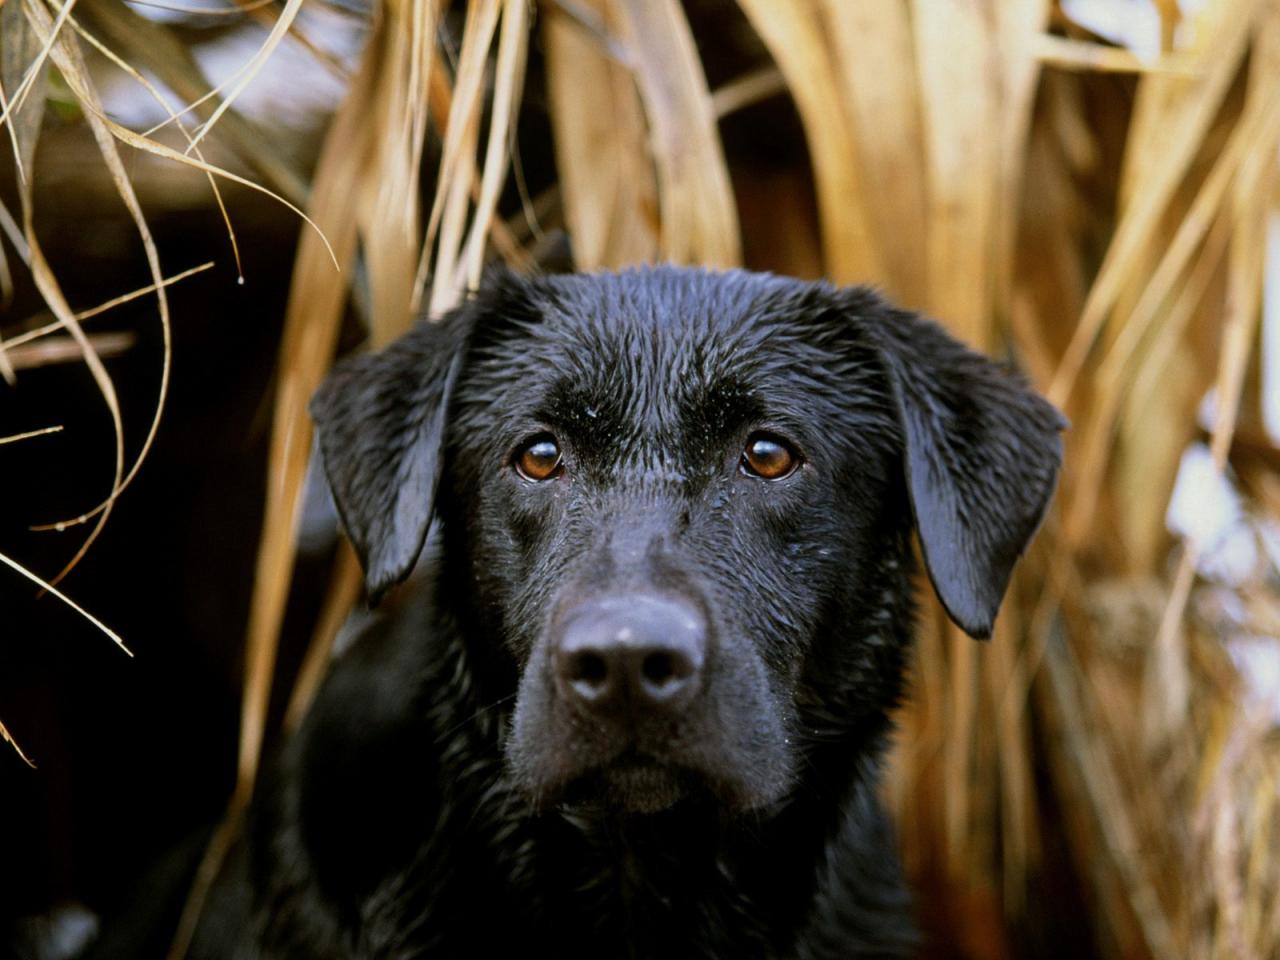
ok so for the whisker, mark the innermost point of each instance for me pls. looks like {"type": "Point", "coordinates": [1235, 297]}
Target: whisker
{"type": "Point", "coordinates": [473, 717]}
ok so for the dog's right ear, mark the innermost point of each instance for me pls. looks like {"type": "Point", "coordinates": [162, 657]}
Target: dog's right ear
{"type": "Point", "coordinates": [380, 419]}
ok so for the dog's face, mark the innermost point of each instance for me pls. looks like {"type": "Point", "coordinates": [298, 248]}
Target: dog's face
{"type": "Point", "coordinates": [683, 501]}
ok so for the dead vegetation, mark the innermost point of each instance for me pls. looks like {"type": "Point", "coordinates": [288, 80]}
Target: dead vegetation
{"type": "Point", "coordinates": [1107, 217]}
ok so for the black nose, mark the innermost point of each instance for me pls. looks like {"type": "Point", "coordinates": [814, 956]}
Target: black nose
{"type": "Point", "coordinates": [635, 652]}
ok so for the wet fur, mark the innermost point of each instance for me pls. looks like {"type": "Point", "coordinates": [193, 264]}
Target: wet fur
{"type": "Point", "coordinates": [432, 803]}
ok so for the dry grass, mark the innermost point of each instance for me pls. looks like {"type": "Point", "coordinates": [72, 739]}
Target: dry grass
{"type": "Point", "coordinates": [1100, 216]}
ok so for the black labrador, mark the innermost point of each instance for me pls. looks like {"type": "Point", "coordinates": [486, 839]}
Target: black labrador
{"type": "Point", "coordinates": [633, 701]}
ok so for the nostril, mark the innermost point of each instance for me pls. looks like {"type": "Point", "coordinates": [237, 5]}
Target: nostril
{"type": "Point", "coordinates": [659, 668]}
{"type": "Point", "coordinates": [588, 673]}
{"type": "Point", "coordinates": [664, 674]}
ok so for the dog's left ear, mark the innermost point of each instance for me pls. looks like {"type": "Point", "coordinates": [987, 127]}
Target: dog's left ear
{"type": "Point", "coordinates": [380, 420]}
{"type": "Point", "coordinates": [981, 455]}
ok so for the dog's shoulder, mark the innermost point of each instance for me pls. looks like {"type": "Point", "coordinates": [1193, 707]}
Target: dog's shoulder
{"type": "Point", "coordinates": [861, 905]}
{"type": "Point", "coordinates": [347, 799]}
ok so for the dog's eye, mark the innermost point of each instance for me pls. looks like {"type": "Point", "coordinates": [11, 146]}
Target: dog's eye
{"type": "Point", "coordinates": [539, 459]}
{"type": "Point", "coordinates": [769, 458]}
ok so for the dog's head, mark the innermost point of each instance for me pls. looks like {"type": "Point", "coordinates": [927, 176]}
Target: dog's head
{"type": "Point", "coordinates": [677, 504]}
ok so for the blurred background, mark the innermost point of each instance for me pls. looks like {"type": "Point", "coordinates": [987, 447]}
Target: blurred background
{"type": "Point", "coordinates": [205, 202]}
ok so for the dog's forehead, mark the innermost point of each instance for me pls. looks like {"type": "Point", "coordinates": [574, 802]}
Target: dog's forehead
{"type": "Point", "coordinates": [649, 365]}
{"type": "Point", "coordinates": [657, 343]}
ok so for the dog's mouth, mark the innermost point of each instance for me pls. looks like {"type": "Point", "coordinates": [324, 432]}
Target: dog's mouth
{"type": "Point", "coordinates": [632, 783]}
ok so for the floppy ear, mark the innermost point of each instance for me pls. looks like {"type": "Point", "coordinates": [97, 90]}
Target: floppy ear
{"type": "Point", "coordinates": [981, 454]}
{"type": "Point", "coordinates": [380, 419]}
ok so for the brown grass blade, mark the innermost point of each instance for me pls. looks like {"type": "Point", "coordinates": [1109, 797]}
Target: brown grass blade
{"type": "Point", "coordinates": [21, 60]}
{"type": "Point", "coordinates": [143, 42]}
{"type": "Point", "coordinates": [1017, 791]}
{"type": "Point", "coordinates": [1049, 277]}
{"type": "Point", "coordinates": [47, 587]}
{"type": "Point", "coordinates": [155, 94]}
{"type": "Point", "coordinates": [606, 178]}
{"type": "Point", "coordinates": [1093, 771]}
{"type": "Point", "coordinates": [456, 173]}
{"type": "Point", "coordinates": [1259, 125]}
{"type": "Point", "coordinates": [1068, 54]}
{"type": "Point", "coordinates": [43, 431]}
{"type": "Point", "coordinates": [14, 234]}
{"type": "Point", "coordinates": [1018, 26]}
{"type": "Point", "coordinates": [236, 9]}
{"type": "Point", "coordinates": [1251, 205]}
{"type": "Point", "coordinates": [1165, 385]}
{"type": "Point", "coordinates": [54, 350]}
{"type": "Point", "coordinates": [794, 35]}
{"type": "Point", "coordinates": [386, 206]}
{"type": "Point", "coordinates": [460, 252]}
{"type": "Point", "coordinates": [960, 98]}
{"type": "Point", "coordinates": [7, 737]}
{"type": "Point", "coordinates": [35, 67]}
{"type": "Point", "coordinates": [876, 59]}
{"type": "Point", "coordinates": [750, 88]}
{"type": "Point", "coordinates": [696, 205]}
{"type": "Point", "coordinates": [65, 53]}
{"type": "Point", "coordinates": [49, 289]}
{"type": "Point", "coordinates": [459, 185]}
{"type": "Point", "coordinates": [508, 82]}
{"type": "Point", "coordinates": [6, 299]}
{"type": "Point", "coordinates": [224, 835]}
{"type": "Point", "coordinates": [144, 142]}
{"type": "Point", "coordinates": [20, 63]}
{"type": "Point", "coordinates": [44, 330]}
{"type": "Point", "coordinates": [245, 75]}
{"type": "Point", "coordinates": [125, 135]}
{"type": "Point", "coordinates": [1177, 128]}
{"type": "Point", "coordinates": [340, 599]}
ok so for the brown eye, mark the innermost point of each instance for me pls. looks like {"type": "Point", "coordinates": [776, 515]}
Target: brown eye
{"type": "Point", "coordinates": [539, 460]}
{"type": "Point", "coordinates": [768, 458]}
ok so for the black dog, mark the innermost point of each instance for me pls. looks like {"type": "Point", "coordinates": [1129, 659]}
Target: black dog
{"type": "Point", "coordinates": [632, 704]}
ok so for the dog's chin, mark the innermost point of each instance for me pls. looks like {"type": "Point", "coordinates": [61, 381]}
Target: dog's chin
{"type": "Point", "coordinates": [634, 784]}
{"type": "Point", "coordinates": [628, 786]}
{"type": "Point", "coordinates": [642, 787]}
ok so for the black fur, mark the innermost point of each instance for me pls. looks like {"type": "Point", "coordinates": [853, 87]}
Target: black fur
{"type": "Point", "coordinates": [443, 800]}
